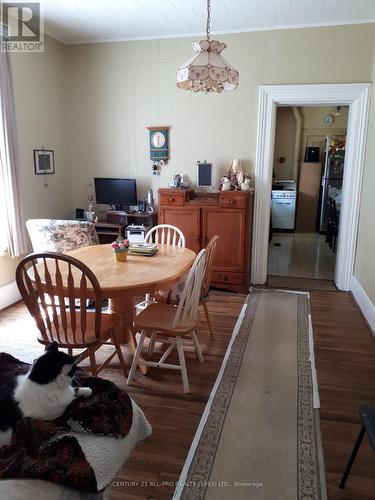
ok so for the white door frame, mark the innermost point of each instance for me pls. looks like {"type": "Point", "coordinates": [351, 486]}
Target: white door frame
{"type": "Point", "coordinates": [356, 96]}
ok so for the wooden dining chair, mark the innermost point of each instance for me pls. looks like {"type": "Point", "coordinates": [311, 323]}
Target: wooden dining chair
{"type": "Point", "coordinates": [173, 296]}
{"type": "Point", "coordinates": [166, 234]}
{"type": "Point", "coordinates": [173, 323]}
{"type": "Point", "coordinates": [51, 284]}
{"type": "Point", "coordinates": [211, 252]}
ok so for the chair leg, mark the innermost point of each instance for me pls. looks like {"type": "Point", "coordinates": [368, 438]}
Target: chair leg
{"type": "Point", "coordinates": [70, 351]}
{"type": "Point", "coordinates": [151, 345]}
{"type": "Point", "coordinates": [357, 445]}
{"type": "Point", "coordinates": [93, 366]}
{"type": "Point", "coordinates": [181, 357]}
{"type": "Point", "coordinates": [208, 319]}
{"type": "Point", "coordinates": [136, 357]}
{"type": "Point", "coordinates": [120, 355]}
{"type": "Point", "coordinates": [197, 346]}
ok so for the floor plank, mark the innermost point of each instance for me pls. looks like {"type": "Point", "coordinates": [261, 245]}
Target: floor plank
{"type": "Point", "coordinates": [300, 255]}
{"type": "Point", "coordinates": [155, 465]}
{"type": "Point", "coordinates": [287, 282]}
{"type": "Point", "coordinates": [345, 362]}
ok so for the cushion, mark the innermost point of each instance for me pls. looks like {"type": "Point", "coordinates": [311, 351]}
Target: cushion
{"type": "Point", "coordinates": [53, 235]}
{"type": "Point", "coordinates": [173, 295]}
{"type": "Point", "coordinates": [78, 450]}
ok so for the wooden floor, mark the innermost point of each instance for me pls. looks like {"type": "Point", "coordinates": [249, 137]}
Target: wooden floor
{"type": "Point", "coordinates": [289, 283]}
{"type": "Point", "coordinates": [345, 362]}
{"type": "Point", "coordinates": [345, 358]}
{"type": "Point", "coordinates": [300, 255]}
{"type": "Point", "coordinates": [155, 465]}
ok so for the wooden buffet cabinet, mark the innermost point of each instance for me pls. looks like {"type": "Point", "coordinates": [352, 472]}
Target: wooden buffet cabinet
{"type": "Point", "coordinates": [229, 214]}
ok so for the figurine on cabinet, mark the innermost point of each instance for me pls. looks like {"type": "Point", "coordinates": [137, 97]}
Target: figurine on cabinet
{"type": "Point", "coordinates": [246, 184]}
{"type": "Point", "coordinates": [236, 168]}
{"type": "Point", "coordinates": [235, 178]}
{"type": "Point", "coordinates": [225, 184]}
{"type": "Point", "coordinates": [235, 174]}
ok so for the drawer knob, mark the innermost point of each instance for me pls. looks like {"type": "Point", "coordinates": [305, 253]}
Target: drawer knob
{"type": "Point", "coordinates": [232, 202]}
{"type": "Point", "coordinates": [171, 200]}
{"type": "Point", "coordinates": [225, 278]}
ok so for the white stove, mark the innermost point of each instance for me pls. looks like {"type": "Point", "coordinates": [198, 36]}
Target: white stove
{"type": "Point", "coordinates": [283, 209]}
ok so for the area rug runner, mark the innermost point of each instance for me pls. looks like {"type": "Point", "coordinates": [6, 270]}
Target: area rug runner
{"type": "Point", "coordinates": [261, 437]}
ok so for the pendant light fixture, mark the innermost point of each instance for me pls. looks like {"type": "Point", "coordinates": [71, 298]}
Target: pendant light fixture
{"type": "Point", "coordinates": [207, 70]}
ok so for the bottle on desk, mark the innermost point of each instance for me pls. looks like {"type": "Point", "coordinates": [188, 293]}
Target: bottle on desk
{"type": "Point", "coordinates": [90, 214]}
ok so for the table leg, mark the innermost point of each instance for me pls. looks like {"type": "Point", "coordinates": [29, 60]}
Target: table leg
{"type": "Point", "coordinates": [123, 307]}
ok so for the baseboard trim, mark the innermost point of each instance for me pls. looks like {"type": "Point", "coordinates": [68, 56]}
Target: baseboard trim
{"type": "Point", "coordinates": [9, 294]}
{"type": "Point", "coordinates": [364, 302]}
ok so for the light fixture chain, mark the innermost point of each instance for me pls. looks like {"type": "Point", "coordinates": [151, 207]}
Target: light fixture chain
{"type": "Point", "coordinates": [208, 19]}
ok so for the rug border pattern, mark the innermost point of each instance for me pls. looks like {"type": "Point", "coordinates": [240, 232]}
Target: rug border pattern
{"type": "Point", "coordinates": [308, 485]}
{"type": "Point", "coordinates": [204, 456]}
{"type": "Point", "coordinates": [308, 470]}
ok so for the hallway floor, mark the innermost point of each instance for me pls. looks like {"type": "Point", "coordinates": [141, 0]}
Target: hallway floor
{"type": "Point", "coordinates": [301, 255]}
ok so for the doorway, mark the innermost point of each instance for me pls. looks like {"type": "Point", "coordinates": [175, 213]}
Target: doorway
{"type": "Point", "coordinates": [306, 196]}
{"type": "Point", "coordinates": [356, 97]}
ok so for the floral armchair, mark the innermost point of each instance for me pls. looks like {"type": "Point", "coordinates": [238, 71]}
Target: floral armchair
{"type": "Point", "coordinates": [54, 235]}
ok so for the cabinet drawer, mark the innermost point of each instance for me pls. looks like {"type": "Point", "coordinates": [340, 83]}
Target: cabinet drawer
{"type": "Point", "coordinates": [172, 199]}
{"type": "Point", "coordinates": [231, 199]}
{"type": "Point", "coordinates": [224, 277]}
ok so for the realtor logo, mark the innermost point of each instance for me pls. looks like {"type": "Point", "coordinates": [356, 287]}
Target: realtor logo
{"type": "Point", "coordinates": [21, 27]}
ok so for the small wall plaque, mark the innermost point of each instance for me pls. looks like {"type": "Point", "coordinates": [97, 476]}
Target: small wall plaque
{"type": "Point", "coordinates": [159, 143]}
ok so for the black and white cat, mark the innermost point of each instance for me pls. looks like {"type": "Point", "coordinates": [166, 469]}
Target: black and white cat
{"type": "Point", "coordinates": [43, 393]}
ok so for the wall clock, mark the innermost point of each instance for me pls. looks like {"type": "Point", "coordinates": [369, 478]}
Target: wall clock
{"type": "Point", "coordinates": [328, 120]}
{"type": "Point", "coordinates": [159, 143]}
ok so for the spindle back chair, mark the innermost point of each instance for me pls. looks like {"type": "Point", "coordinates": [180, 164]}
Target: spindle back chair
{"type": "Point", "coordinates": [56, 289]}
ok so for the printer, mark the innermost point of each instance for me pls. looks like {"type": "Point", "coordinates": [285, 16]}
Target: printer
{"type": "Point", "coordinates": [135, 234]}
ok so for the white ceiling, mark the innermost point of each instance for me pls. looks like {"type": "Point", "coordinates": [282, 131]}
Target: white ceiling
{"type": "Point", "coordinates": [84, 21]}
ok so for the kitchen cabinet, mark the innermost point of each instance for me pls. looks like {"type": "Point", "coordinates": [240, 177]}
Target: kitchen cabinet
{"type": "Point", "coordinates": [186, 219]}
{"type": "Point", "coordinates": [228, 214]}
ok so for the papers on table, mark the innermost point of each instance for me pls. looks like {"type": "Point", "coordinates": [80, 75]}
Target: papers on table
{"type": "Point", "coordinates": [144, 249]}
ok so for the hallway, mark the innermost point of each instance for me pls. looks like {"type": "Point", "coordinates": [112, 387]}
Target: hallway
{"type": "Point", "coordinates": [300, 255]}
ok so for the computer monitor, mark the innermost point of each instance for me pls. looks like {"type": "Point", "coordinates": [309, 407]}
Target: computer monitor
{"type": "Point", "coordinates": [204, 174]}
{"type": "Point", "coordinates": [118, 193]}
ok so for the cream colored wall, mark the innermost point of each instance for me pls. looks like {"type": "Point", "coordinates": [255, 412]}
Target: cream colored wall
{"type": "Point", "coordinates": [116, 90]}
{"type": "Point", "coordinates": [7, 268]}
{"type": "Point", "coordinates": [39, 90]}
{"type": "Point", "coordinates": [313, 116]}
{"type": "Point", "coordinates": [92, 104]}
{"type": "Point", "coordinates": [365, 257]}
{"type": "Point", "coordinates": [285, 138]}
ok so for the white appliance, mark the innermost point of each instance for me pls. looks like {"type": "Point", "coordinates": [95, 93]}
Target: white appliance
{"type": "Point", "coordinates": [283, 209]}
{"type": "Point", "coordinates": [135, 234]}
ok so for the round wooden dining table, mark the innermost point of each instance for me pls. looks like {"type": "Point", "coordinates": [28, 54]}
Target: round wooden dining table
{"type": "Point", "coordinates": [121, 282]}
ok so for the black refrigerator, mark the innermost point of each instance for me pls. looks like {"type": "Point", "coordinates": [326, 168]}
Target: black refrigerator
{"type": "Point", "coordinates": [332, 175]}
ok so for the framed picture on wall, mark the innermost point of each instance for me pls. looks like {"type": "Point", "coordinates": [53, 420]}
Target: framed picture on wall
{"type": "Point", "coordinates": [44, 162]}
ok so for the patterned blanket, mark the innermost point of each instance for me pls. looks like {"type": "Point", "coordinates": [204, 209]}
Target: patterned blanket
{"type": "Point", "coordinates": [52, 450]}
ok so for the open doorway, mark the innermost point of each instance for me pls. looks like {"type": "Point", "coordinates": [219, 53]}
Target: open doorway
{"type": "Point", "coordinates": [306, 197]}
{"type": "Point", "coordinates": [357, 97]}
